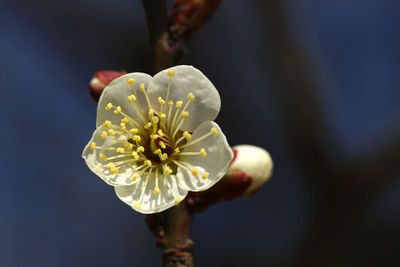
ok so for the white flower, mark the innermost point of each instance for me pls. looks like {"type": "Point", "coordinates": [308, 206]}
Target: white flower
{"type": "Point", "coordinates": [155, 138]}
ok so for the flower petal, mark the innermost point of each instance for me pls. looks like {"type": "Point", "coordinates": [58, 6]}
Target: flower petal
{"type": "Point", "coordinates": [117, 93]}
{"type": "Point", "coordinates": [95, 162]}
{"type": "Point", "coordinates": [150, 202]}
{"type": "Point", "coordinates": [216, 163]}
{"type": "Point", "coordinates": [187, 79]}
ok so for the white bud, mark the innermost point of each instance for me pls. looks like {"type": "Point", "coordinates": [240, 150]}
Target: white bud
{"type": "Point", "coordinates": [256, 162]}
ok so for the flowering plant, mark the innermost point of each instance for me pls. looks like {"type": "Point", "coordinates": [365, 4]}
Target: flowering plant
{"type": "Point", "coordinates": [155, 138]}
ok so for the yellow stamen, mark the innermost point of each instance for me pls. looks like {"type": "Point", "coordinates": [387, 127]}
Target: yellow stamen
{"type": "Point", "coordinates": [160, 100]}
{"type": "Point", "coordinates": [195, 171]}
{"type": "Point", "coordinates": [214, 131]}
{"type": "Point", "coordinates": [205, 175]}
{"type": "Point", "coordinates": [184, 114]}
{"type": "Point", "coordinates": [171, 72]}
{"type": "Point", "coordinates": [187, 135]}
{"type": "Point", "coordinates": [170, 103]}
{"type": "Point", "coordinates": [157, 151]}
{"type": "Point", "coordinates": [125, 120]}
{"type": "Point", "coordinates": [177, 150]}
{"type": "Point", "coordinates": [117, 110]}
{"type": "Point", "coordinates": [128, 145]}
{"type": "Point", "coordinates": [137, 205]}
{"type": "Point", "coordinates": [156, 191]}
{"type": "Point", "coordinates": [135, 155]}
{"type": "Point", "coordinates": [123, 126]}
{"type": "Point", "coordinates": [120, 150]}
{"type": "Point", "coordinates": [135, 176]}
{"type": "Point", "coordinates": [147, 162]}
{"type": "Point", "coordinates": [92, 145]}
{"type": "Point", "coordinates": [164, 156]}
{"type": "Point", "coordinates": [190, 96]}
{"type": "Point", "coordinates": [131, 98]}
{"type": "Point", "coordinates": [140, 149]}
{"type": "Point", "coordinates": [107, 124]}
{"type": "Point", "coordinates": [109, 106]}
{"type": "Point", "coordinates": [133, 131]}
{"type": "Point", "coordinates": [178, 104]}
{"type": "Point", "coordinates": [137, 138]}
{"type": "Point", "coordinates": [166, 170]}
{"type": "Point", "coordinates": [162, 145]}
{"type": "Point", "coordinates": [177, 201]}
{"type": "Point", "coordinates": [203, 152]}
{"type": "Point", "coordinates": [151, 112]}
{"type": "Point", "coordinates": [130, 80]}
{"type": "Point", "coordinates": [103, 135]}
{"type": "Point", "coordinates": [103, 157]}
{"type": "Point", "coordinates": [111, 132]}
{"type": "Point", "coordinates": [147, 125]}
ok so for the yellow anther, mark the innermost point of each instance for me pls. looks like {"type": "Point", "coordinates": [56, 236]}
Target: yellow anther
{"type": "Point", "coordinates": [170, 103]}
{"type": "Point", "coordinates": [203, 152]}
{"type": "Point", "coordinates": [133, 131]}
{"type": "Point", "coordinates": [103, 135]}
{"type": "Point", "coordinates": [111, 165]}
{"type": "Point", "coordinates": [157, 151]}
{"type": "Point", "coordinates": [160, 133]}
{"type": "Point", "coordinates": [107, 124]}
{"type": "Point", "coordinates": [187, 135]}
{"type": "Point", "coordinates": [205, 175]}
{"type": "Point", "coordinates": [161, 115]}
{"type": "Point", "coordinates": [177, 201]}
{"type": "Point", "coordinates": [140, 149]}
{"type": "Point", "coordinates": [114, 170]}
{"type": "Point", "coordinates": [178, 104]}
{"type": "Point", "coordinates": [130, 80]}
{"type": "Point", "coordinates": [164, 156]}
{"type": "Point", "coordinates": [135, 155]}
{"type": "Point", "coordinates": [103, 157]}
{"type": "Point", "coordinates": [147, 125]}
{"type": "Point", "coordinates": [214, 131]}
{"type": "Point", "coordinates": [160, 100]}
{"type": "Point", "coordinates": [155, 119]}
{"type": "Point", "coordinates": [92, 145]}
{"type": "Point", "coordinates": [125, 120]}
{"type": "Point", "coordinates": [109, 106]}
{"type": "Point", "coordinates": [147, 162]}
{"type": "Point", "coordinates": [162, 145]}
{"type": "Point", "coordinates": [128, 145]}
{"type": "Point", "coordinates": [142, 87]}
{"type": "Point", "coordinates": [117, 110]}
{"type": "Point", "coordinates": [131, 98]}
{"type": "Point", "coordinates": [137, 205]}
{"type": "Point", "coordinates": [167, 170]}
{"type": "Point", "coordinates": [171, 72]}
{"type": "Point", "coordinates": [177, 150]}
{"type": "Point", "coordinates": [195, 171]}
{"type": "Point", "coordinates": [184, 114]}
{"type": "Point", "coordinates": [135, 176]}
{"type": "Point", "coordinates": [137, 138]}
{"type": "Point", "coordinates": [190, 96]}
{"type": "Point", "coordinates": [123, 126]}
{"type": "Point", "coordinates": [156, 191]}
{"type": "Point", "coordinates": [154, 136]}
{"type": "Point", "coordinates": [120, 150]}
{"type": "Point", "coordinates": [151, 112]}
{"type": "Point", "coordinates": [111, 132]}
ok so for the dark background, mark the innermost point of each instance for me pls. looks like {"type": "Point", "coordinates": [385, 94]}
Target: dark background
{"type": "Point", "coordinates": [318, 90]}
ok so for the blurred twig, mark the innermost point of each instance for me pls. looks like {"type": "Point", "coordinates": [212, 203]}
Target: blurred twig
{"type": "Point", "coordinates": [342, 187]}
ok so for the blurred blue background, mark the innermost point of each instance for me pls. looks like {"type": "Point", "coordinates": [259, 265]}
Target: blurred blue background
{"type": "Point", "coordinates": [55, 212]}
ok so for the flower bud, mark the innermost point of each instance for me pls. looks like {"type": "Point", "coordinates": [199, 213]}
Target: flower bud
{"type": "Point", "coordinates": [251, 167]}
{"type": "Point", "coordinates": [100, 80]}
{"type": "Point", "coordinates": [252, 162]}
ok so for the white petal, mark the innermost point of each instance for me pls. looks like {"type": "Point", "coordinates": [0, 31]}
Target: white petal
{"type": "Point", "coordinates": [216, 163]}
{"type": "Point", "coordinates": [117, 93]}
{"type": "Point", "coordinates": [188, 79]}
{"type": "Point", "coordinates": [151, 203]}
{"type": "Point", "coordinates": [97, 164]}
